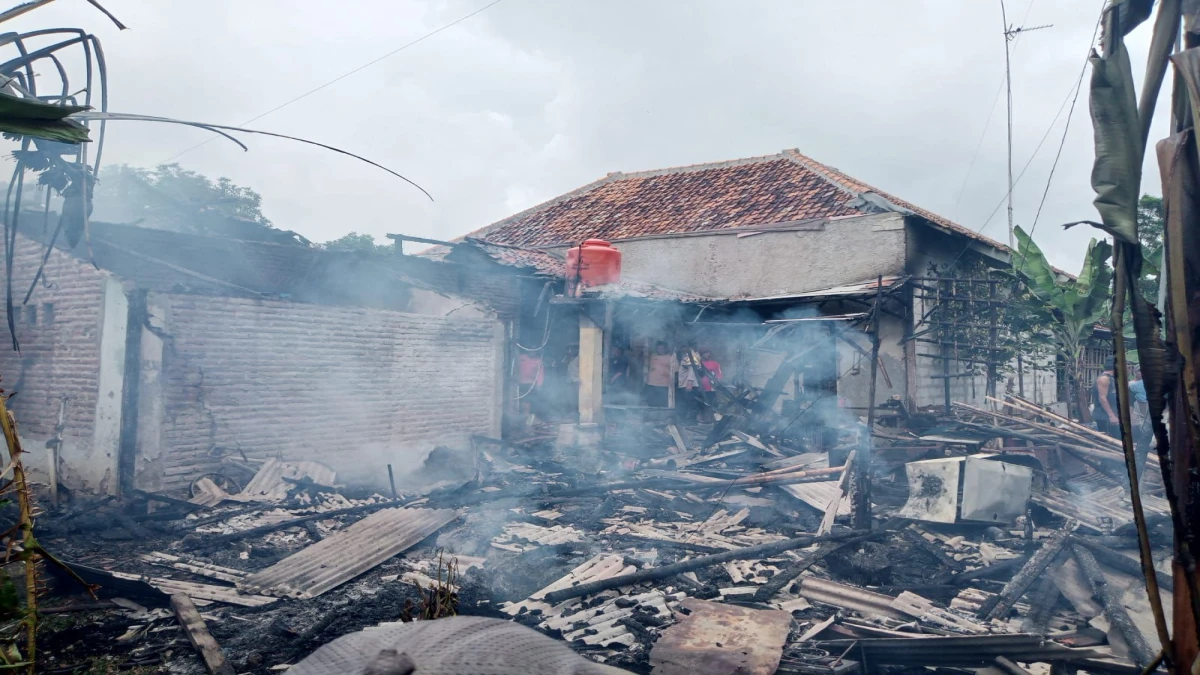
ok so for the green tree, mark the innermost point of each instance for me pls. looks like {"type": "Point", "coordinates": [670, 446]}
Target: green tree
{"type": "Point", "coordinates": [1150, 234]}
{"type": "Point", "coordinates": [1071, 307]}
{"type": "Point", "coordinates": [171, 197]}
{"type": "Point", "coordinates": [359, 243]}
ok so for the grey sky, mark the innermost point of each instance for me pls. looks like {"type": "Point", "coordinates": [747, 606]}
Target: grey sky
{"type": "Point", "coordinates": [533, 98]}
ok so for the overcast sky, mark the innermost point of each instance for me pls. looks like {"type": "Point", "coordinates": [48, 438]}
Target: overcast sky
{"type": "Point", "coordinates": [532, 98]}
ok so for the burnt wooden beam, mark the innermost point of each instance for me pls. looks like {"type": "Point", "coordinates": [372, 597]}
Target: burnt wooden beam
{"type": "Point", "coordinates": [197, 634]}
{"type": "Point", "coordinates": [999, 605]}
{"type": "Point", "coordinates": [1114, 611]}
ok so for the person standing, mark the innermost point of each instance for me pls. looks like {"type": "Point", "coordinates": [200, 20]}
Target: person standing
{"type": "Point", "coordinates": [571, 395]}
{"type": "Point", "coordinates": [618, 374]}
{"type": "Point", "coordinates": [1143, 434]}
{"type": "Point", "coordinates": [529, 378]}
{"type": "Point", "coordinates": [712, 371]}
{"type": "Point", "coordinates": [660, 377]}
{"type": "Point", "coordinates": [1104, 401]}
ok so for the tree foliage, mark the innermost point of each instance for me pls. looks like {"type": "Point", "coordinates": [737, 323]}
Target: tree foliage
{"type": "Point", "coordinates": [1071, 308]}
{"type": "Point", "coordinates": [174, 198]}
{"type": "Point", "coordinates": [357, 243]}
{"type": "Point", "coordinates": [1150, 235]}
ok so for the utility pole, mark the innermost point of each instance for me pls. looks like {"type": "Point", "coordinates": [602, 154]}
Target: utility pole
{"type": "Point", "coordinates": [1011, 32]}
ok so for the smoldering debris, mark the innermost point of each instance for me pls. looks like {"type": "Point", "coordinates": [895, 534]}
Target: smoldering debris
{"type": "Point", "coordinates": [664, 549]}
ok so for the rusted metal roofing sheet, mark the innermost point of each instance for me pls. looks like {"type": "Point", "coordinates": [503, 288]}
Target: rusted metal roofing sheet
{"type": "Point", "coordinates": [348, 553]}
{"type": "Point", "coordinates": [722, 640]}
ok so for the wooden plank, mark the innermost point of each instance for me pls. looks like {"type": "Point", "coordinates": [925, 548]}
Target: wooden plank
{"type": "Point", "coordinates": [198, 635]}
{"type": "Point", "coordinates": [832, 509]}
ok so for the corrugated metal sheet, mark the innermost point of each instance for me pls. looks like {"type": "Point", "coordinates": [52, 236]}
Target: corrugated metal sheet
{"type": "Point", "coordinates": [850, 597]}
{"type": "Point", "coordinates": [535, 534]}
{"type": "Point", "coordinates": [197, 567]}
{"type": "Point", "coordinates": [599, 625]}
{"type": "Point", "coordinates": [268, 485]}
{"type": "Point", "coordinates": [348, 553]}
{"type": "Point", "coordinates": [959, 651]}
{"type": "Point", "coordinates": [598, 568]}
{"type": "Point", "coordinates": [862, 288]}
{"type": "Point", "coordinates": [202, 593]}
{"type": "Point", "coordinates": [1102, 510]}
{"type": "Point", "coordinates": [818, 495]}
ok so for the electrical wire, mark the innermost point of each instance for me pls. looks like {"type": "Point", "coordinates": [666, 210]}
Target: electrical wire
{"type": "Point", "coordinates": [346, 74]}
{"type": "Point", "coordinates": [1061, 144]}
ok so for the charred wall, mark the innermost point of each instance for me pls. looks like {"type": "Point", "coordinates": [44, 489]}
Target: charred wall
{"type": "Point", "coordinates": [354, 388]}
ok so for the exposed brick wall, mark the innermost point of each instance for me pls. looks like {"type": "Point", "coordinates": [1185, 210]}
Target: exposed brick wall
{"type": "Point", "coordinates": [355, 388]}
{"type": "Point", "coordinates": [58, 357]}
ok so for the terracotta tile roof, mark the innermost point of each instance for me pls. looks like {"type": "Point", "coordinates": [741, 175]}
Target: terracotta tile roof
{"type": "Point", "coordinates": [786, 187]}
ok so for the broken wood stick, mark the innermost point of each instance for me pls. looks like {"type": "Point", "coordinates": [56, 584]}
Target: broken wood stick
{"type": "Point", "coordinates": [197, 634]}
{"type": "Point", "coordinates": [655, 573]}
{"type": "Point", "coordinates": [786, 575]}
{"type": "Point", "coordinates": [952, 579]}
{"type": "Point", "coordinates": [1042, 604]}
{"type": "Point", "coordinates": [999, 604]}
{"type": "Point", "coordinates": [831, 508]}
{"type": "Point", "coordinates": [1123, 563]}
{"type": "Point", "coordinates": [1118, 617]}
{"type": "Point", "coordinates": [1098, 438]}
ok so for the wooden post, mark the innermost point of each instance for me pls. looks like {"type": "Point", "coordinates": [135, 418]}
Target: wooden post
{"type": "Point", "coordinates": [862, 470]}
{"type": "Point", "coordinates": [591, 370]}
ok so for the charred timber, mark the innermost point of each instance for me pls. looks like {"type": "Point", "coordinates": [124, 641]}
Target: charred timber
{"type": "Point", "coordinates": [1123, 563]}
{"type": "Point", "coordinates": [1114, 611]}
{"type": "Point", "coordinates": [999, 605]}
{"type": "Point", "coordinates": [666, 571]}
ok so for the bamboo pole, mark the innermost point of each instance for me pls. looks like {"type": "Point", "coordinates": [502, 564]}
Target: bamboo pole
{"type": "Point", "coordinates": [25, 526]}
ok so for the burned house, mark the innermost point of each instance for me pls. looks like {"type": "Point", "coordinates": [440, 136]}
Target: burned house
{"type": "Point", "coordinates": [145, 363]}
{"type": "Point", "coordinates": [733, 256]}
{"type": "Point", "coordinates": [638, 533]}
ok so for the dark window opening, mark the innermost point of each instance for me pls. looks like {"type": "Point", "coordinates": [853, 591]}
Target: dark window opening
{"type": "Point", "coordinates": [31, 315]}
{"type": "Point", "coordinates": [48, 314]}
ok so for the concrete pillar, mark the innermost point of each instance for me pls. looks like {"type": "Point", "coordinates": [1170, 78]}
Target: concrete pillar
{"type": "Point", "coordinates": [100, 468]}
{"type": "Point", "coordinates": [591, 371]}
{"type": "Point", "coordinates": [148, 469]}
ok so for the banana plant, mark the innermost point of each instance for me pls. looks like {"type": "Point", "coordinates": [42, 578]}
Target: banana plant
{"type": "Point", "coordinates": [1070, 307]}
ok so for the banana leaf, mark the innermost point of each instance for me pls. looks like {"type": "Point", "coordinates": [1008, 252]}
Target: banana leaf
{"type": "Point", "coordinates": [61, 131]}
{"type": "Point", "coordinates": [1130, 14]}
{"type": "Point", "coordinates": [32, 109]}
{"type": "Point", "coordinates": [1117, 172]}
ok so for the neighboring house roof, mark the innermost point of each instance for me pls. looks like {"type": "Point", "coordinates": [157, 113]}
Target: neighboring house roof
{"type": "Point", "coordinates": [862, 289]}
{"type": "Point", "coordinates": [632, 289]}
{"type": "Point", "coordinates": [757, 191]}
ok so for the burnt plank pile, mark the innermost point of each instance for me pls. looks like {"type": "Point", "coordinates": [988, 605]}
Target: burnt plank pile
{"type": "Point", "coordinates": [998, 538]}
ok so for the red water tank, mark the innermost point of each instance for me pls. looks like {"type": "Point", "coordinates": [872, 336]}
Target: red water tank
{"type": "Point", "coordinates": [595, 263]}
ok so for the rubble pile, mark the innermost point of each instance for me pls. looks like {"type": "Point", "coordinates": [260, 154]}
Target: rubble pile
{"type": "Point", "coordinates": [998, 539]}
